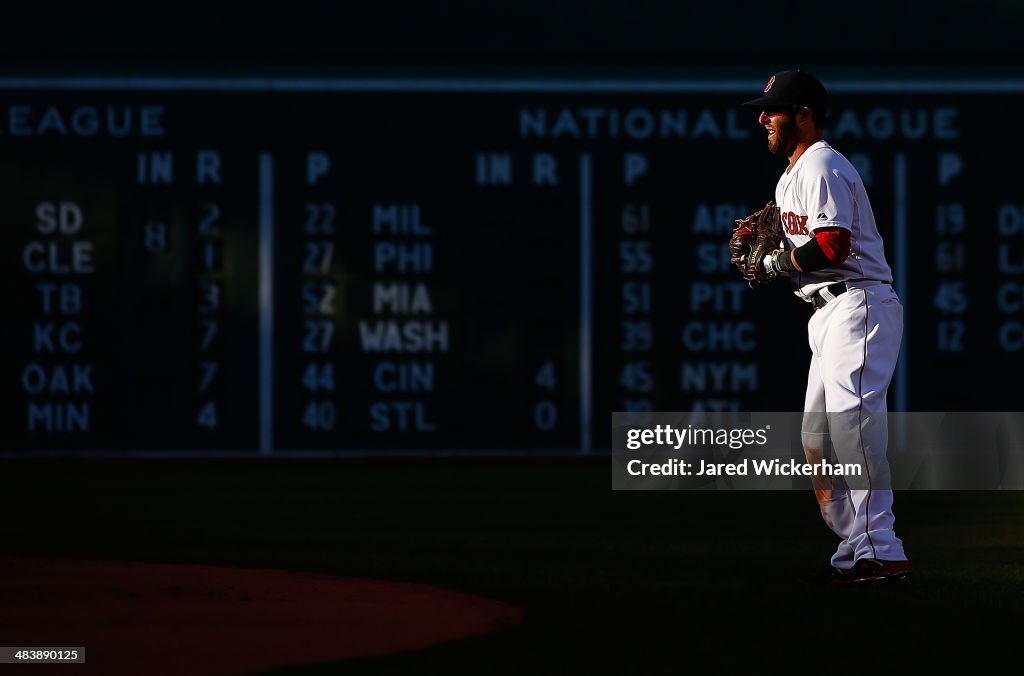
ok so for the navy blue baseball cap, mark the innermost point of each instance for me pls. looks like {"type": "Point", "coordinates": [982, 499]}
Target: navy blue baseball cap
{"type": "Point", "coordinates": [792, 89]}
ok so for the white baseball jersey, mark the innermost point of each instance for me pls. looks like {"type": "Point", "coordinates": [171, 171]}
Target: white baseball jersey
{"type": "Point", "coordinates": [824, 190]}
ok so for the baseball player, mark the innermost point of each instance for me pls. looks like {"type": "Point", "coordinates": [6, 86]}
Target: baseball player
{"type": "Point", "coordinates": [826, 242]}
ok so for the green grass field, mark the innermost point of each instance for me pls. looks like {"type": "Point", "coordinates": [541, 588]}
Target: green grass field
{"type": "Point", "coordinates": [611, 582]}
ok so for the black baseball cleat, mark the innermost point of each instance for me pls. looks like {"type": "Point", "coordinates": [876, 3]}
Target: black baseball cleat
{"type": "Point", "coordinates": [870, 571]}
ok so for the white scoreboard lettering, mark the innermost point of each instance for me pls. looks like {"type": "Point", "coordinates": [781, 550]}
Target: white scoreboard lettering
{"type": "Point", "coordinates": [492, 268]}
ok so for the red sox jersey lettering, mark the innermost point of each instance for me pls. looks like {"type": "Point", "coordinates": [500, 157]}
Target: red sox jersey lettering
{"type": "Point", "coordinates": [794, 224]}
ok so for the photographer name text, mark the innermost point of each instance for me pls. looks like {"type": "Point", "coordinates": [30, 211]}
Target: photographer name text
{"type": "Point", "coordinates": [773, 467]}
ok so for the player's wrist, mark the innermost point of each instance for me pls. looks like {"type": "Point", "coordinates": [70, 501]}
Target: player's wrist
{"type": "Point", "coordinates": [777, 263]}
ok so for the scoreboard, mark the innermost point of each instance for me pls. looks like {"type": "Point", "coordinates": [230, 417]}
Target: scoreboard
{"type": "Point", "coordinates": [299, 266]}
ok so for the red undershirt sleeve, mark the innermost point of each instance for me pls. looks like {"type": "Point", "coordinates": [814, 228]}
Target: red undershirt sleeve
{"type": "Point", "coordinates": [834, 243]}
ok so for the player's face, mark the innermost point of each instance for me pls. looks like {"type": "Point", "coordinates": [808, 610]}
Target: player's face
{"type": "Point", "coordinates": [782, 131]}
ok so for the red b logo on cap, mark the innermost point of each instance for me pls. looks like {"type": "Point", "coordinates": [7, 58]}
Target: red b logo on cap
{"type": "Point", "coordinates": [768, 86]}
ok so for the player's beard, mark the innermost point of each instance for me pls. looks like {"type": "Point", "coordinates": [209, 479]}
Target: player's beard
{"type": "Point", "coordinates": [783, 142]}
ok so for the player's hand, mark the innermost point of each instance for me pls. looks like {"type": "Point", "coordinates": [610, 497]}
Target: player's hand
{"type": "Point", "coordinates": [774, 264]}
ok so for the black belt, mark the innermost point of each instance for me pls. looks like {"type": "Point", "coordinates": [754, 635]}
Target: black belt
{"type": "Point", "coordinates": [836, 290]}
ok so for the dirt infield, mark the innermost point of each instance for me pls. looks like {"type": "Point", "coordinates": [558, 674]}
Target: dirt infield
{"type": "Point", "coordinates": [135, 618]}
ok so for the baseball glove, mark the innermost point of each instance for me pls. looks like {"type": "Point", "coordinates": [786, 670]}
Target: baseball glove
{"type": "Point", "coordinates": [753, 238]}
